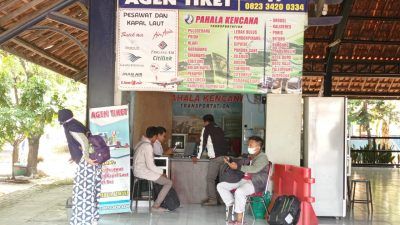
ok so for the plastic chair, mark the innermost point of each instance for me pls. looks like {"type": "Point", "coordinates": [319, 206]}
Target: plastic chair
{"type": "Point", "coordinates": [249, 199]}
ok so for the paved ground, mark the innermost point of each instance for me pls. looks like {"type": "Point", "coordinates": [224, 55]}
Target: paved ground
{"type": "Point", "coordinates": [40, 205]}
{"type": "Point", "coordinates": [45, 205]}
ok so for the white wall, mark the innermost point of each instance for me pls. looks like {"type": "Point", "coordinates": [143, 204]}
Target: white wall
{"type": "Point", "coordinates": [283, 128]}
{"type": "Point", "coordinates": [253, 115]}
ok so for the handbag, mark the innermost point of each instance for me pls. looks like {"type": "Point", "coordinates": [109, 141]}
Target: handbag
{"type": "Point", "coordinates": [101, 150]}
{"type": "Point", "coordinates": [229, 175]}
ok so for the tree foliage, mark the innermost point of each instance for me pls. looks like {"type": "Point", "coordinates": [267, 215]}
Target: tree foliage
{"type": "Point", "coordinates": [27, 99]}
{"type": "Point", "coordinates": [365, 113]}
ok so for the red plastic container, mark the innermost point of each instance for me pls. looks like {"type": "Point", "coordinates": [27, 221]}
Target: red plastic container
{"type": "Point", "coordinates": [294, 180]}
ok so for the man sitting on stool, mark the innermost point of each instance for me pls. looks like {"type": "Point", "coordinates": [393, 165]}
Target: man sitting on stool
{"type": "Point", "coordinates": [144, 167]}
{"type": "Point", "coordinates": [254, 180]}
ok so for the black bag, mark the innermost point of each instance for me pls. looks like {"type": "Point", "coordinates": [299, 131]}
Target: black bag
{"type": "Point", "coordinates": [286, 211]}
{"type": "Point", "coordinates": [229, 175]}
{"type": "Point", "coordinates": [171, 201]}
{"type": "Point", "coordinates": [101, 150]}
{"type": "Point", "coordinates": [226, 174]}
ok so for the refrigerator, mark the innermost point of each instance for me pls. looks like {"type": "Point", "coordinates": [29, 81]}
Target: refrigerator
{"type": "Point", "coordinates": [326, 153]}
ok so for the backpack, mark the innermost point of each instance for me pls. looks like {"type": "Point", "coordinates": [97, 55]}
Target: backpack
{"type": "Point", "coordinates": [101, 150]}
{"type": "Point", "coordinates": [171, 201]}
{"type": "Point", "coordinates": [286, 211]}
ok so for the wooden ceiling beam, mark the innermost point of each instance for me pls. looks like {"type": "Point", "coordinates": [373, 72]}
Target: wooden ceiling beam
{"type": "Point", "coordinates": [83, 7]}
{"type": "Point", "coordinates": [21, 42]}
{"type": "Point", "coordinates": [356, 61]}
{"type": "Point", "coordinates": [375, 18]}
{"type": "Point", "coordinates": [363, 85]}
{"type": "Point", "coordinates": [80, 75]}
{"type": "Point", "coordinates": [78, 59]}
{"type": "Point", "coordinates": [24, 56]}
{"type": "Point", "coordinates": [352, 41]}
{"type": "Point", "coordinates": [350, 83]}
{"type": "Point", "coordinates": [366, 94]}
{"type": "Point", "coordinates": [6, 4]}
{"type": "Point", "coordinates": [67, 20]}
{"type": "Point", "coordinates": [377, 85]}
{"type": "Point", "coordinates": [25, 7]}
{"type": "Point", "coordinates": [390, 86]}
{"type": "Point", "coordinates": [366, 75]}
{"type": "Point", "coordinates": [43, 53]}
{"type": "Point", "coordinates": [35, 18]}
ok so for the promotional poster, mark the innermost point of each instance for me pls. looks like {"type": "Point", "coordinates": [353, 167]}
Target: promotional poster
{"type": "Point", "coordinates": [112, 123]}
{"type": "Point", "coordinates": [211, 46]}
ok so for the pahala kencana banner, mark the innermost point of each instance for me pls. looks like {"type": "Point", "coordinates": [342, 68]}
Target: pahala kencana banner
{"type": "Point", "coordinates": [211, 46]}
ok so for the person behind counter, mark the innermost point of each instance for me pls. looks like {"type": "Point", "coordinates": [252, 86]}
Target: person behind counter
{"type": "Point", "coordinates": [144, 167]}
{"type": "Point", "coordinates": [157, 147]}
{"type": "Point", "coordinates": [213, 139]}
{"type": "Point", "coordinates": [254, 180]}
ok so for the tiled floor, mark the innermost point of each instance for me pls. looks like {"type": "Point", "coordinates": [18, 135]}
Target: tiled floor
{"type": "Point", "coordinates": [386, 193]}
{"type": "Point", "coordinates": [48, 207]}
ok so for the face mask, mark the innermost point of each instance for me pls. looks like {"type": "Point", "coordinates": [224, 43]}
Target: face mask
{"type": "Point", "coordinates": [251, 150]}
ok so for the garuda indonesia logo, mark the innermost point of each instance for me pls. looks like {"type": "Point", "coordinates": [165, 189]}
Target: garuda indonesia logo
{"type": "Point", "coordinates": [132, 57]}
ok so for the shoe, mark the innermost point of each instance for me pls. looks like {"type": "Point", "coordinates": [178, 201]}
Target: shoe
{"type": "Point", "coordinates": [204, 200]}
{"type": "Point", "coordinates": [159, 209]}
{"type": "Point", "coordinates": [210, 202]}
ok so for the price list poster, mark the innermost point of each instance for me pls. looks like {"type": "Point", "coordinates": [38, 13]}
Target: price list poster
{"type": "Point", "coordinates": [211, 46]}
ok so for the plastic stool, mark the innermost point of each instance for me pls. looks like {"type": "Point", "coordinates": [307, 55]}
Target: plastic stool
{"type": "Point", "coordinates": [368, 193]}
{"type": "Point", "coordinates": [138, 190]}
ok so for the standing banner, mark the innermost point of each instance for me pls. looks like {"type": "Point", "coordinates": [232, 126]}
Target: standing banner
{"type": "Point", "coordinates": [112, 123]}
{"type": "Point", "coordinates": [249, 46]}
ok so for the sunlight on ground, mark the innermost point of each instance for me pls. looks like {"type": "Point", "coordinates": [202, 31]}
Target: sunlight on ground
{"type": "Point", "coordinates": [54, 152]}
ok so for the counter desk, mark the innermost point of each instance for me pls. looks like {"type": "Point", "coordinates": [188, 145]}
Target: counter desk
{"type": "Point", "coordinates": [189, 180]}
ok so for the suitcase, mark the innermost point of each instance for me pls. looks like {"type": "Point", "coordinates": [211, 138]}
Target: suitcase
{"type": "Point", "coordinates": [171, 201]}
{"type": "Point", "coordinates": [286, 211]}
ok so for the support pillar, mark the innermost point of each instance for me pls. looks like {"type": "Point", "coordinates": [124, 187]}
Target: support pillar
{"type": "Point", "coordinates": [101, 64]}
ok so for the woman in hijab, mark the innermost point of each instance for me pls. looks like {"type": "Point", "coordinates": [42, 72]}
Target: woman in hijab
{"type": "Point", "coordinates": [87, 181]}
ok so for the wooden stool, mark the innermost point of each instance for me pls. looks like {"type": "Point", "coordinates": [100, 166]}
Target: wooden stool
{"type": "Point", "coordinates": [368, 193]}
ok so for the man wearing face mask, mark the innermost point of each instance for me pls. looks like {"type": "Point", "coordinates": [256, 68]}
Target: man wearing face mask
{"type": "Point", "coordinates": [254, 180]}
